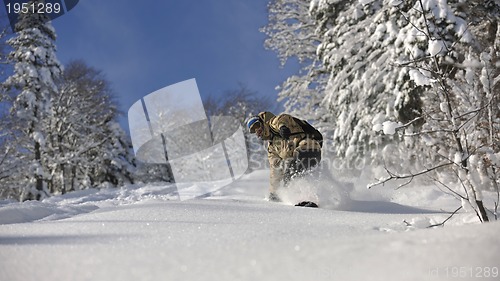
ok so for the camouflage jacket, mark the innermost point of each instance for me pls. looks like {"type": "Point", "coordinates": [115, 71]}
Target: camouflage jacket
{"type": "Point", "coordinates": [279, 150]}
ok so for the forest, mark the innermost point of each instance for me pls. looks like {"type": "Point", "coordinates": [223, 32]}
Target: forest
{"type": "Point", "coordinates": [407, 89]}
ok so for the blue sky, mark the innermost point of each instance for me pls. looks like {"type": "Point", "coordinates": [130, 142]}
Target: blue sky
{"type": "Point", "coordinates": [147, 45]}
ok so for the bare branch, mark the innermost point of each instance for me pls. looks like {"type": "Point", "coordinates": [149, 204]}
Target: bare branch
{"type": "Point", "coordinates": [409, 177]}
{"type": "Point", "coordinates": [447, 219]}
{"type": "Point", "coordinates": [453, 192]}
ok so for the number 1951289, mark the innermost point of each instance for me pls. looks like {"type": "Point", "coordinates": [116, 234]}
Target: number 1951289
{"type": "Point", "coordinates": [471, 272]}
{"type": "Point", "coordinates": [34, 8]}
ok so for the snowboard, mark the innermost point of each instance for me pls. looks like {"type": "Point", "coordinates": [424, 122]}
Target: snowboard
{"type": "Point", "coordinates": [309, 204]}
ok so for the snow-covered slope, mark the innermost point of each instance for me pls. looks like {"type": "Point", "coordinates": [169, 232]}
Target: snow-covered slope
{"type": "Point", "coordinates": [143, 233]}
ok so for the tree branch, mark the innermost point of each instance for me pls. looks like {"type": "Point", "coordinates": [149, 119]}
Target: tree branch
{"type": "Point", "coordinates": [447, 219]}
{"type": "Point", "coordinates": [410, 177]}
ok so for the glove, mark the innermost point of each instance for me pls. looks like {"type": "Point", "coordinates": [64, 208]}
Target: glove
{"type": "Point", "coordinates": [285, 132]}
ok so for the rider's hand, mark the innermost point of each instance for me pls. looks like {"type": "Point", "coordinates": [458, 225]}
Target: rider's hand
{"type": "Point", "coordinates": [285, 132]}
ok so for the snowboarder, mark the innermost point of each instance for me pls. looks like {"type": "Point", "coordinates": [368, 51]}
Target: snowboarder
{"type": "Point", "coordinates": [294, 146]}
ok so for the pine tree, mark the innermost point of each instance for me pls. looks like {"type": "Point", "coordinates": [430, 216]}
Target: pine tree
{"type": "Point", "coordinates": [35, 70]}
{"type": "Point", "coordinates": [360, 40]}
{"type": "Point", "coordinates": [291, 34]}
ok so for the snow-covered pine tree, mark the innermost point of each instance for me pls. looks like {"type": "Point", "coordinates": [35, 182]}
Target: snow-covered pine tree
{"type": "Point", "coordinates": [290, 30]}
{"type": "Point", "coordinates": [359, 42]}
{"type": "Point", "coordinates": [117, 164]}
{"type": "Point", "coordinates": [35, 70]}
{"type": "Point", "coordinates": [291, 34]}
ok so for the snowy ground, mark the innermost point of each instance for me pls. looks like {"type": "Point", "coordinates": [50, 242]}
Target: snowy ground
{"type": "Point", "coordinates": [143, 233]}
